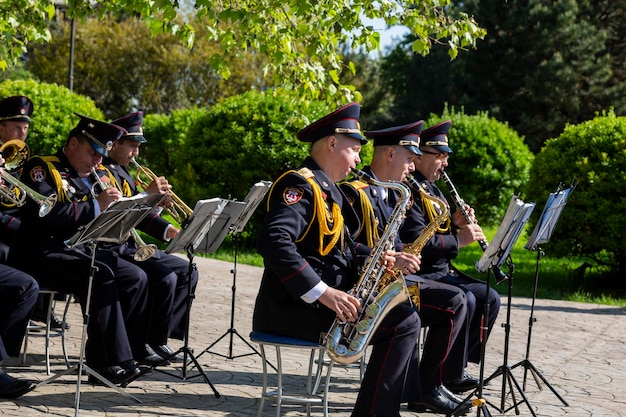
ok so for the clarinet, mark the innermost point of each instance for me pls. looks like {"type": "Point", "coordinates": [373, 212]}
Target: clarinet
{"type": "Point", "coordinates": [460, 204]}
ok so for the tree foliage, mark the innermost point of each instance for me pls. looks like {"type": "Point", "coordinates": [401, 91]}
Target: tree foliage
{"type": "Point", "coordinates": [564, 76]}
{"type": "Point", "coordinates": [53, 115]}
{"type": "Point", "coordinates": [124, 68]}
{"type": "Point", "coordinates": [541, 66]}
{"type": "Point", "coordinates": [299, 39]}
{"type": "Point", "coordinates": [593, 155]}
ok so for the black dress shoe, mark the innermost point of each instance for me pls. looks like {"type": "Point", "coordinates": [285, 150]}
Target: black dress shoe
{"type": "Point", "coordinates": [436, 402]}
{"type": "Point", "coordinates": [14, 387]}
{"type": "Point", "coordinates": [152, 359]}
{"type": "Point", "coordinates": [55, 322]}
{"type": "Point", "coordinates": [165, 352]}
{"type": "Point", "coordinates": [116, 374]}
{"type": "Point", "coordinates": [454, 398]}
{"type": "Point", "coordinates": [466, 383]}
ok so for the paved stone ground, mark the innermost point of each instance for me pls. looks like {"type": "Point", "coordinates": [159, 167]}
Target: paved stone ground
{"type": "Point", "coordinates": [579, 348]}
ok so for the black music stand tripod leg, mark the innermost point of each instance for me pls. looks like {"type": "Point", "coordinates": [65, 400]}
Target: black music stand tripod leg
{"type": "Point", "coordinates": [505, 370]}
{"type": "Point", "coordinates": [81, 365]}
{"type": "Point", "coordinates": [185, 350]}
{"type": "Point", "coordinates": [526, 363]}
{"type": "Point", "coordinates": [232, 331]}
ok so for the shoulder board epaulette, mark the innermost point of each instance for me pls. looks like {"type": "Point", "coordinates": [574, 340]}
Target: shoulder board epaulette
{"type": "Point", "coordinates": [48, 158]}
{"type": "Point", "coordinates": [358, 184]}
{"type": "Point", "coordinates": [305, 172]}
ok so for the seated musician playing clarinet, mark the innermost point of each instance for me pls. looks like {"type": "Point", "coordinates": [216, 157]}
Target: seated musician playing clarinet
{"type": "Point", "coordinates": [437, 254]}
{"type": "Point", "coordinates": [306, 245]}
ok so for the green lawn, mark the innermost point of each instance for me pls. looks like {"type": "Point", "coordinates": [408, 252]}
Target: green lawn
{"type": "Point", "coordinates": [558, 278]}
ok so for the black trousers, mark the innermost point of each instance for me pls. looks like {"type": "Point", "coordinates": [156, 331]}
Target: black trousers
{"type": "Point", "coordinates": [168, 291]}
{"type": "Point", "coordinates": [443, 309]}
{"type": "Point", "coordinates": [118, 299]}
{"type": "Point", "coordinates": [477, 298]}
{"type": "Point", "coordinates": [392, 344]}
{"type": "Point", "coordinates": [18, 295]}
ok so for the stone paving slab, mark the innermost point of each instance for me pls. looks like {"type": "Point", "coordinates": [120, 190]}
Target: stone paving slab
{"type": "Point", "coordinates": [580, 349]}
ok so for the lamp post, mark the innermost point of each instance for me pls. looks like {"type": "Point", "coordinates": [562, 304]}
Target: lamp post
{"type": "Point", "coordinates": [62, 5]}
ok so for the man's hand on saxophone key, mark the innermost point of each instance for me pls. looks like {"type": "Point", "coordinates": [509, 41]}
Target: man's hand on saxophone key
{"type": "Point", "coordinates": [407, 263]}
{"type": "Point", "coordinates": [345, 305]}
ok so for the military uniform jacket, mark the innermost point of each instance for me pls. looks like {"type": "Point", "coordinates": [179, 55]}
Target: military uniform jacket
{"type": "Point", "coordinates": [442, 247]}
{"type": "Point", "coordinates": [74, 208]}
{"type": "Point", "coordinates": [368, 202]}
{"type": "Point", "coordinates": [297, 255]}
{"type": "Point", "coordinates": [9, 222]}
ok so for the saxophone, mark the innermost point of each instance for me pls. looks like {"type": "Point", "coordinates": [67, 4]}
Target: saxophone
{"type": "Point", "coordinates": [346, 341]}
{"type": "Point", "coordinates": [418, 244]}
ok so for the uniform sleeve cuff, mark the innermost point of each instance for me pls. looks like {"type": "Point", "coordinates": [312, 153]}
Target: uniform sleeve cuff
{"type": "Point", "coordinates": [314, 293]}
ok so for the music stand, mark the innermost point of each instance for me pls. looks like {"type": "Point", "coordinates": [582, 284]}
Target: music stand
{"type": "Point", "coordinates": [203, 232]}
{"type": "Point", "coordinates": [541, 234]}
{"type": "Point", "coordinates": [112, 225]}
{"type": "Point", "coordinates": [251, 202]}
{"type": "Point", "coordinates": [497, 253]}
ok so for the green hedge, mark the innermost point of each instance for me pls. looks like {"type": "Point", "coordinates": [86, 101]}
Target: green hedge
{"type": "Point", "coordinates": [593, 154]}
{"type": "Point", "coordinates": [241, 141]}
{"type": "Point", "coordinates": [53, 115]}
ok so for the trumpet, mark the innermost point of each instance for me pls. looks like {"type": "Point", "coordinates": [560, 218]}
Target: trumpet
{"type": "Point", "coordinates": [15, 153]}
{"type": "Point", "coordinates": [179, 210]}
{"type": "Point", "coordinates": [144, 251]}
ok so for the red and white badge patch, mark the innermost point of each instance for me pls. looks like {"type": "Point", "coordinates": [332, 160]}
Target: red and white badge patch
{"type": "Point", "coordinates": [38, 174]}
{"type": "Point", "coordinates": [292, 195]}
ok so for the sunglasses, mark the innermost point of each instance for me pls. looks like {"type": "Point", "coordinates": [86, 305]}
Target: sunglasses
{"type": "Point", "coordinates": [439, 155]}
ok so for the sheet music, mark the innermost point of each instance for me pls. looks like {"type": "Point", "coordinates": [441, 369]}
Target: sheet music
{"type": "Point", "coordinates": [515, 218]}
{"type": "Point", "coordinates": [549, 217]}
{"type": "Point", "coordinates": [115, 223]}
{"type": "Point", "coordinates": [221, 225]}
{"type": "Point", "coordinates": [252, 200]}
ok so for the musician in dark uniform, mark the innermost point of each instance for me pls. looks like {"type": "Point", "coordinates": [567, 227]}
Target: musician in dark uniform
{"type": "Point", "coordinates": [15, 115]}
{"type": "Point", "coordinates": [18, 295]}
{"type": "Point", "coordinates": [15, 119]}
{"type": "Point", "coordinates": [309, 265]}
{"type": "Point", "coordinates": [442, 307]}
{"type": "Point", "coordinates": [454, 234]}
{"type": "Point", "coordinates": [168, 275]}
{"type": "Point", "coordinates": [119, 294]}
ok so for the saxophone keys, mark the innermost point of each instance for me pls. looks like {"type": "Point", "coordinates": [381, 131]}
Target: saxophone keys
{"type": "Point", "coordinates": [372, 310]}
{"type": "Point", "coordinates": [364, 326]}
{"type": "Point", "coordinates": [341, 350]}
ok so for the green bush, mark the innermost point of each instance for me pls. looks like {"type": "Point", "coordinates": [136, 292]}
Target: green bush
{"type": "Point", "coordinates": [489, 163]}
{"type": "Point", "coordinates": [167, 149]}
{"type": "Point", "coordinates": [593, 154]}
{"type": "Point", "coordinates": [241, 141]}
{"type": "Point", "coordinates": [53, 115]}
